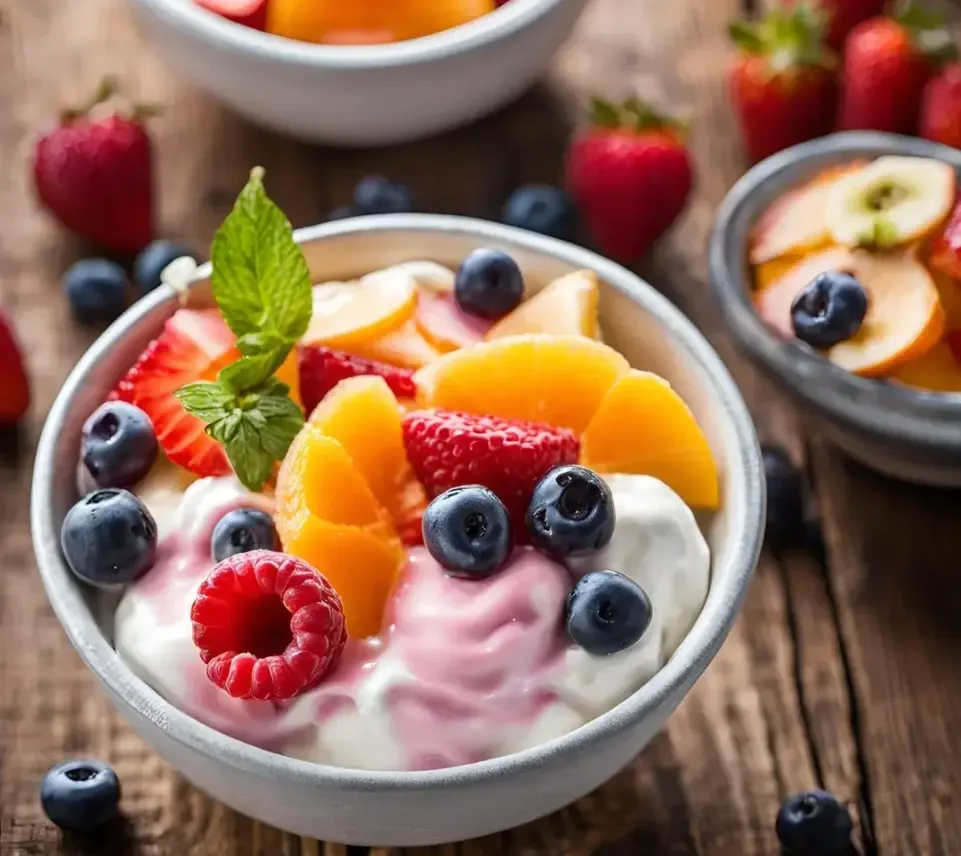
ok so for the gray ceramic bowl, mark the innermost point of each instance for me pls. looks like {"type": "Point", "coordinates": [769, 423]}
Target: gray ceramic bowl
{"type": "Point", "coordinates": [909, 434]}
{"type": "Point", "coordinates": [425, 807]}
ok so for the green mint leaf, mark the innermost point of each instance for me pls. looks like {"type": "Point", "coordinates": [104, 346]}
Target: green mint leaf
{"type": "Point", "coordinates": [283, 420]}
{"type": "Point", "coordinates": [253, 344]}
{"type": "Point", "coordinates": [224, 430]}
{"type": "Point", "coordinates": [207, 400]}
{"type": "Point", "coordinates": [251, 462]}
{"type": "Point", "coordinates": [260, 278]}
{"type": "Point", "coordinates": [250, 372]}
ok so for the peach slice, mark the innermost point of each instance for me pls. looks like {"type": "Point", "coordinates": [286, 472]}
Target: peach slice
{"type": "Point", "coordinates": [327, 515]}
{"type": "Point", "coordinates": [783, 280]}
{"type": "Point", "coordinates": [445, 325]}
{"type": "Point", "coordinates": [557, 380]}
{"type": "Point", "coordinates": [363, 416]}
{"type": "Point", "coordinates": [567, 306]}
{"type": "Point", "coordinates": [904, 321]}
{"type": "Point", "coordinates": [938, 371]}
{"type": "Point", "coordinates": [795, 223]}
{"type": "Point", "coordinates": [404, 347]}
{"type": "Point", "coordinates": [643, 427]}
{"type": "Point", "coordinates": [347, 315]}
{"type": "Point", "coordinates": [949, 291]}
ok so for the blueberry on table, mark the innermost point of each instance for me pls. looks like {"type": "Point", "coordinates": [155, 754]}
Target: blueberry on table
{"type": "Point", "coordinates": [785, 499]}
{"type": "Point", "coordinates": [468, 531]}
{"type": "Point", "coordinates": [814, 824]}
{"type": "Point", "coordinates": [118, 445]}
{"type": "Point", "coordinates": [378, 195]}
{"type": "Point", "coordinates": [571, 512]}
{"type": "Point", "coordinates": [80, 796]}
{"type": "Point", "coordinates": [540, 208]}
{"type": "Point", "coordinates": [153, 259]}
{"type": "Point", "coordinates": [828, 310]}
{"type": "Point", "coordinates": [607, 612]}
{"type": "Point", "coordinates": [96, 289]}
{"type": "Point", "coordinates": [488, 284]}
{"type": "Point", "coordinates": [109, 538]}
{"type": "Point", "coordinates": [241, 531]}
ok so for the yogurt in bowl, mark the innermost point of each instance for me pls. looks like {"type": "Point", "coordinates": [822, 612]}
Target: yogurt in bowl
{"type": "Point", "coordinates": [458, 701]}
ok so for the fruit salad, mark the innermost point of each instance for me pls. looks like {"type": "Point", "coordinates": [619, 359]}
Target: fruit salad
{"type": "Point", "coordinates": [863, 264]}
{"type": "Point", "coordinates": [413, 520]}
{"type": "Point", "coordinates": [335, 22]}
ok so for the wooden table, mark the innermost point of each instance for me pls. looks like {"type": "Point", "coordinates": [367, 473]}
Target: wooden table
{"type": "Point", "coordinates": [841, 672]}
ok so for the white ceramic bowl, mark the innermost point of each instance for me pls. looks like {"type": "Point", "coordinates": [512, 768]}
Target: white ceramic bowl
{"type": "Point", "coordinates": [365, 95]}
{"type": "Point", "coordinates": [408, 809]}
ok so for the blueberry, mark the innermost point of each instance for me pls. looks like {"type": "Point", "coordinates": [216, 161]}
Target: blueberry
{"type": "Point", "coordinates": [607, 612]}
{"type": "Point", "coordinates": [377, 195]}
{"type": "Point", "coordinates": [468, 531]}
{"type": "Point", "coordinates": [152, 261]}
{"type": "Point", "coordinates": [118, 445]}
{"type": "Point", "coordinates": [571, 512]}
{"type": "Point", "coordinates": [829, 309]}
{"type": "Point", "coordinates": [243, 530]}
{"type": "Point", "coordinates": [489, 284]}
{"type": "Point", "coordinates": [109, 538]}
{"type": "Point", "coordinates": [814, 824]}
{"type": "Point", "coordinates": [97, 290]}
{"type": "Point", "coordinates": [785, 500]}
{"type": "Point", "coordinates": [80, 795]}
{"type": "Point", "coordinates": [540, 208]}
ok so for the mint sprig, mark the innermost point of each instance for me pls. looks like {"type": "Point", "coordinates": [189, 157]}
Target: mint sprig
{"type": "Point", "coordinates": [262, 286]}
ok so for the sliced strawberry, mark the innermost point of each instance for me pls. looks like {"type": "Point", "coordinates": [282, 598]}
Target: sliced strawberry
{"type": "Point", "coordinates": [322, 368]}
{"type": "Point", "coordinates": [249, 13]}
{"type": "Point", "coordinates": [448, 449]}
{"type": "Point", "coordinates": [193, 346]}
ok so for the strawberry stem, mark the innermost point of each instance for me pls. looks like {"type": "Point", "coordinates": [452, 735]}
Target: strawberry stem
{"type": "Point", "coordinates": [106, 89]}
{"type": "Point", "coordinates": [927, 30]}
{"type": "Point", "coordinates": [633, 115]}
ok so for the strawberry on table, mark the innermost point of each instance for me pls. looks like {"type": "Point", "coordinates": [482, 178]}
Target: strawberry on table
{"type": "Point", "coordinates": [781, 80]}
{"type": "Point", "coordinates": [192, 346]}
{"type": "Point", "coordinates": [95, 174]}
{"type": "Point", "coordinates": [14, 386]}
{"type": "Point", "coordinates": [631, 175]}
{"type": "Point", "coordinates": [941, 107]}
{"type": "Point", "coordinates": [842, 16]}
{"type": "Point", "coordinates": [887, 63]}
{"type": "Point", "coordinates": [322, 368]}
{"type": "Point", "coordinates": [448, 449]}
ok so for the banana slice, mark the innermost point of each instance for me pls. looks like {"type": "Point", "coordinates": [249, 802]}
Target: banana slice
{"type": "Point", "coordinates": [892, 201]}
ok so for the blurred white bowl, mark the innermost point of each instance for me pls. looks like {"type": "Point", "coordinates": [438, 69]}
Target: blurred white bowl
{"type": "Point", "coordinates": [365, 95]}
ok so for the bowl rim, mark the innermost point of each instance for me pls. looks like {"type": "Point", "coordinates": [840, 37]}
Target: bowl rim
{"type": "Point", "coordinates": [696, 649]}
{"type": "Point", "coordinates": [874, 407]}
{"type": "Point", "coordinates": [503, 22]}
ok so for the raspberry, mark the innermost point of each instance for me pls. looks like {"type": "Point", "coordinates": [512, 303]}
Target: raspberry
{"type": "Point", "coordinates": [268, 625]}
{"type": "Point", "coordinates": [321, 369]}
{"type": "Point", "coordinates": [447, 448]}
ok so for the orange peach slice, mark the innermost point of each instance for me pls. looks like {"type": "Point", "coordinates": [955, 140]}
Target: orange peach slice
{"type": "Point", "coordinates": [348, 315]}
{"type": "Point", "coordinates": [404, 347]}
{"type": "Point", "coordinates": [643, 427]}
{"type": "Point", "coordinates": [567, 306]}
{"type": "Point", "coordinates": [904, 321]}
{"type": "Point", "coordinates": [557, 380]}
{"type": "Point", "coordinates": [938, 371]}
{"type": "Point", "coordinates": [795, 223]}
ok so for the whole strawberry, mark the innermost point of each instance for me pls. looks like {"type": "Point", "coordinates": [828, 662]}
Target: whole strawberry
{"type": "Point", "coordinates": [941, 107]}
{"type": "Point", "coordinates": [14, 386]}
{"type": "Point", "coordinates": [781, 80]}
{"type": "Point", "coordinates": [887, 63]}
{"type": "Point", "coordinates": [631, 175]}
{"type": "Point", "coordinates": [842, 16]}
{"type": "Point", "coordinates": [95, 175]}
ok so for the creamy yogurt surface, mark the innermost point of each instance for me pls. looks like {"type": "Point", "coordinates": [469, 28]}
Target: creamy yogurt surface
{"type": "Point", "coordinates": [464, 670]}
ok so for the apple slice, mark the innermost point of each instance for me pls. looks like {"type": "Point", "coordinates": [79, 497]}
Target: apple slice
{"type": "Point", "coordinates": [565, 307]}
{"type": "Point", "coordinates": [780, 283]}
{"type": "Point", "coordinates": [891, 202]}
{"type": "Point", "coordinates": [796, 222]}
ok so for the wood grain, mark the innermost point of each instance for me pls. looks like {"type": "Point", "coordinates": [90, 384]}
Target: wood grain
{"type": "Point", "coordinates": [839, 674]}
